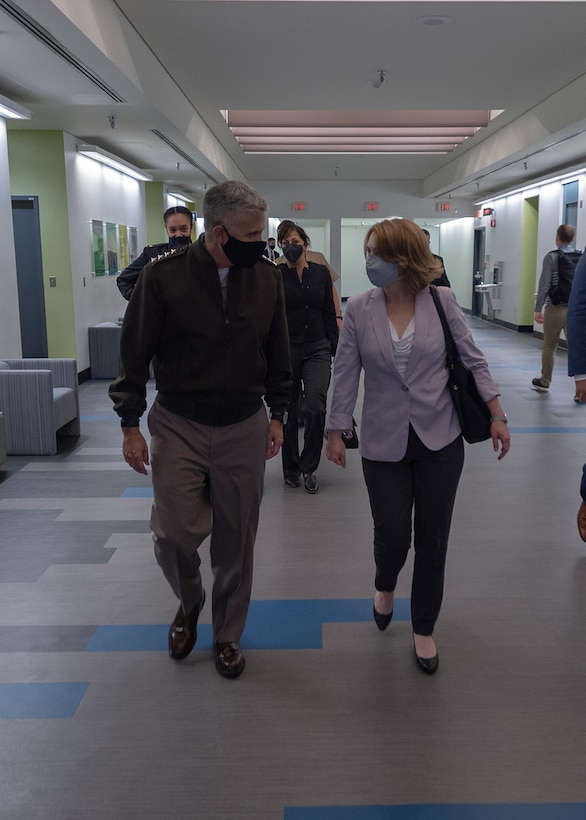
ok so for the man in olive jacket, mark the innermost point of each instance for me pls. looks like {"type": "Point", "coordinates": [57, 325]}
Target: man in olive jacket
{"type": "Point", "coordinates": [211, 317]}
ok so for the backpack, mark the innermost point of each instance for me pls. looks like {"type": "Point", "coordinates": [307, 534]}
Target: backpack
{"type": "Point", "coordinates": [561, 284]}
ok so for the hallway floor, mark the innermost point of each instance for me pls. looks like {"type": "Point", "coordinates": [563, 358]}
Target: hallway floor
{"type": "Point", "coordinates": [331, 719]}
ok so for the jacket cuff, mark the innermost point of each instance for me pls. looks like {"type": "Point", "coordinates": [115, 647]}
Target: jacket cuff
{"type": "Point", "coordinates": [130, 421]}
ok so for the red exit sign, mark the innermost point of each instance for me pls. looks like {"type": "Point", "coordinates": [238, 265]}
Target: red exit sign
{"type": "Point", "coordinates": [299, 206]}
{"type": "Point", "coordinates": [372, 206]}
{"type": "Point", "coordinates": [443, 206]}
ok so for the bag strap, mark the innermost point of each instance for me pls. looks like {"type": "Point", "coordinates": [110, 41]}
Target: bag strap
{"type": "Point", "coordinates": [451, 349]}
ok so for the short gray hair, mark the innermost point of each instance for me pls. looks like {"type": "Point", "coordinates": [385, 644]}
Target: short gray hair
{"type": "Point", "coordinates": [225, 200]}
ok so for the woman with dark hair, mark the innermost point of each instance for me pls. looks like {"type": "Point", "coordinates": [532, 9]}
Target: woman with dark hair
{"type": "Point", "coordinates": [313, 337]}
{"type": "Point", "coordinates": [410, 438]}
{"type": "Point", "coordinates": [178, 222]}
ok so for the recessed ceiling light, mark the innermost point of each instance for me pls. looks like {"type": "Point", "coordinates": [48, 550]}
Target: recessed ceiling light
{"type": "Point", "coordinates": [434, 21]}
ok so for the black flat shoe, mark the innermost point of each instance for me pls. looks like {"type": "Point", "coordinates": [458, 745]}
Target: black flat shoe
{"type": "Point", "coordinates": [382, 621]}
{"type": "Point", "coordinates": [292, 478]}
{"type": "Point", "coordinates": [311, 483]}
{"type": "Point", "coordinates": [427, 665]}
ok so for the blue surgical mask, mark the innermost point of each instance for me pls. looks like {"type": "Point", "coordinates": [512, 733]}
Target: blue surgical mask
{"type": "Point", "coordinates": [380, 272]}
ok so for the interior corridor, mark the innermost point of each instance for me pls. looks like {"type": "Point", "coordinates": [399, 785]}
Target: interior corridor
{"type": "Point", "coordinates": [331, 719]}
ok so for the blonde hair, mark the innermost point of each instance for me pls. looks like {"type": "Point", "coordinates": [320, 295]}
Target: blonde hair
{"type": "Point", "coordinates": [403, 242]}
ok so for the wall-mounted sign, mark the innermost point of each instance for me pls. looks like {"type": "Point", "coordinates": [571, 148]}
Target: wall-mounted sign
{"type": "Point", "coordinates": [299, 206]}
{"type": "Point", "coordinates": [372, 206]}
{"type": "Point", "coordinates": [443, 206]}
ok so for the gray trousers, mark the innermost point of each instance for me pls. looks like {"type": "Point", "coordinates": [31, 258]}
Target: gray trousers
{"type": "Point", "coordinates": [208, 480]}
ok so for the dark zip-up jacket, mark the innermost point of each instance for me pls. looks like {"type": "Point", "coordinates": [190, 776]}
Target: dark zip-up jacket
{"type": "Point", "coordinates": [212, 364]}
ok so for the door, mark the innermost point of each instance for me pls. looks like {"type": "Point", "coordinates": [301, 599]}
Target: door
{"type": "Point", "coordinates": [29, 275]}
{"type": "Point", "coordinates": [478, 271]}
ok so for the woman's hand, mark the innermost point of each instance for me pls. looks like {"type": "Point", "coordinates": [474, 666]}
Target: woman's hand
{"type": "Point", "coordinates": [335, 448]}
{"type": "Point", "coordinates": [500, 432]}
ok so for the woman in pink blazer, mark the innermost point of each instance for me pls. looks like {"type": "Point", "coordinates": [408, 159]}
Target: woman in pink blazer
{"type": "Point", "coordinates": [410, 439]}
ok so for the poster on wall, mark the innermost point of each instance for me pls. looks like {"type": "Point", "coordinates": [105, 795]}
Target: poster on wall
{"type": "Point", "coordinates": [123, 246]}
{"type": "Point", "coordinates": [112, 247]}
{"type": "Point", "coordinates": [98, 262]}
{"type": "Point", "coordinates": [132, 243]}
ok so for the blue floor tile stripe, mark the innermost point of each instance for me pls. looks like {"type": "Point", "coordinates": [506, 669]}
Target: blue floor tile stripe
{"type": "Point", "coordinates": [24, 701]}
{"type": "Point", "coordinates": [503, 811]}
{"type": "Point", "coordinates": [581, 430]}
{"type": "Point", "coordinates": [137, 492]}
{"type": "Point", "coordinates": [270, 625]}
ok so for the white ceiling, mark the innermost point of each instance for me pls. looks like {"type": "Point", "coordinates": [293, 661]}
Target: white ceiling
{"type": "Point", "coordinates": [177, 63]}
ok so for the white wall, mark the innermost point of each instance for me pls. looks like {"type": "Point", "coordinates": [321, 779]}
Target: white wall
{"type": "Point", "coordinates": [456, 246]}
{"type": "Point", "coordinates": [503, 242]}
{"type": "Point", "coordinates": [10, 344]}
{"type": "Point", "coordinates": [353, 273]}
{"type": "Point", "coordinates": [335, 201]}
{"type": "Point", "coordinates": [95, 191]}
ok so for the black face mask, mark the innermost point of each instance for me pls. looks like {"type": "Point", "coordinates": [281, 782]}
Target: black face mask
{"type": "Point", "coordinates": [243, 254]}
{"type": "Point", "coordinates": [292, 252]}
{"type": "Point", "coordinates": [178, 241]}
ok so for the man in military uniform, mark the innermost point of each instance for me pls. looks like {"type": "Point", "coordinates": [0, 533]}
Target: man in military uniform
{"type": "Point", "coordinates": [212, 318]}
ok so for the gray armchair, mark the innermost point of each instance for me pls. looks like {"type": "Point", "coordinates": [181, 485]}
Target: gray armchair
{"type": "Point", "coordinates": [38, 397]}
{"type": "Point", "coordinates": [2, 439]}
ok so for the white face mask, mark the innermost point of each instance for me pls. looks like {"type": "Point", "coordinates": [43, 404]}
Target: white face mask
{"type": "Point", "coordinates": [380, 272]}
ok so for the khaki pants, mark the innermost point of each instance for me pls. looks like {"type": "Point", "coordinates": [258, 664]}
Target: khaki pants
{"type": "Point", "coordinates": [554, 321]}
{"type": "Point", "coordinates": [208, 481]}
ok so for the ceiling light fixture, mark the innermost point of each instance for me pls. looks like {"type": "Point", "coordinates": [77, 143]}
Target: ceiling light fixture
{"type": "Point", "coordinates": [539, 183]}
{"type": "Point", "coordinates": [112, 161]}
{"type": "Point", "coordinates": [434, 21]}
{"type": "Point", "coordinates": [181, 197]}
{"type": "Point", "coordinates": [12, 110]}
{"type": "Point", "coordinates": [379, 80]}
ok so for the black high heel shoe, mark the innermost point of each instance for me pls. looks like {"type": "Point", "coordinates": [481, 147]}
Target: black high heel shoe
{"type": "Point", "coordinates": [427, 665]}
{"type": "Point", "coordinates": [382, 621]}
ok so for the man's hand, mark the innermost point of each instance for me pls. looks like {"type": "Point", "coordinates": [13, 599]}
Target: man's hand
{"type": "Point", "coordinates": [274, 438]}
{"type": "Point", "coordinates": [135, 449]}
{"type": "Point", "coordinates": [538, 317]}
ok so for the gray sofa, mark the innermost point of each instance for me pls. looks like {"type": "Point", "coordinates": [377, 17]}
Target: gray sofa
{"type": "Point", "coordinates": [2, 439]}
{"type": "Point", "coordinates": [38, 397]}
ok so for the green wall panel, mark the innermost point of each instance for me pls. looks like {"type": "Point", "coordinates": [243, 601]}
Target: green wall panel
{"type": "Point", "coordinates": [155, 208]}
{"type": "Point", "coordinates": [37, 168]}
{"type": "Point", "coordinates": [529, 260]}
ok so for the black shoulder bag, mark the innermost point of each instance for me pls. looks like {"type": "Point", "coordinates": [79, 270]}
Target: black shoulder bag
{"type": "Point", "coordinates": [471, 409]}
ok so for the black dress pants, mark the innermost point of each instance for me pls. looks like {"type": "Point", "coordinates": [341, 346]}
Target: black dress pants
{"type": "Point", "coordinates": [311, 372]}
{"type": "Point", "coordinates": [414, 496]}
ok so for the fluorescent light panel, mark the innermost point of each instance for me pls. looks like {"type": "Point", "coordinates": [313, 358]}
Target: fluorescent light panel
{"type": "Point", "coordinates": [181, 197]}
{"type": "Point", "coordinates": [12, 110]}
{"type": "Point", "coordinates": [341, 132]}
{"type": "Point", "coordinates": [112, 161]}
{"type": "Point", "coordinates": [532, 186]}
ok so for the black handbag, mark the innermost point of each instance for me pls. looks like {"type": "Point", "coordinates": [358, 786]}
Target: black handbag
{"type": "Point", "coordinates": [350, 437]}
{"type": "Point", "coordinates": [471, 409]}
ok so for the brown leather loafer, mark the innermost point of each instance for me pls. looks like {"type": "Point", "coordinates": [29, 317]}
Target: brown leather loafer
{"type": "Point", "coordinates": [582, 521]}
{"type": "Point", "coordinates": [183, 631]}
{"type": "Point", "coordinates": [229, 659]}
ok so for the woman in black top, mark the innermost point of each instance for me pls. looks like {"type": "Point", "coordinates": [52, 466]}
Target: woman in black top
{"type": "Point", "coordinates": [313, 337]}
{"type": "Point", "coordinates": [178, 222]}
